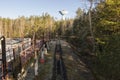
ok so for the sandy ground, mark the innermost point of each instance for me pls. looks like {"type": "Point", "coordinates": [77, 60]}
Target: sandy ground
{"type": "Point", "coordinates": [76, 69]}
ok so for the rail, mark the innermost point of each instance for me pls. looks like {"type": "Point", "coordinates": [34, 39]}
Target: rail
{"type": "Point", "coordinates": [59, 70]}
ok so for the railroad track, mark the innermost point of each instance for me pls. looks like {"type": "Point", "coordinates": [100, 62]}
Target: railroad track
{"type": "Point", "coordinates": [59, 70]}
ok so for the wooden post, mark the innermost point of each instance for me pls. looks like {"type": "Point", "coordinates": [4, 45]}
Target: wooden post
{"type": "Point", "coordinates": [3, 46]}
{"type": "Point", "coordinates": [36, 64]}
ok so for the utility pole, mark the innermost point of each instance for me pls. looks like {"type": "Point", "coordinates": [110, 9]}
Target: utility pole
{"type": "Point", "coordinates": [36, 56]}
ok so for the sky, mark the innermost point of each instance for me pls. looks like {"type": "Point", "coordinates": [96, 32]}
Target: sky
{"type": "Point", "coordinates": [16, 8]}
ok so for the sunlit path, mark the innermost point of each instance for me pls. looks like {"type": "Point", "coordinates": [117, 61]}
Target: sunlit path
{"type": "Point", "coordinates": [60, 40]}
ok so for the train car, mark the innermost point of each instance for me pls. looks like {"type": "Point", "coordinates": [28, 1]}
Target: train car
{"type": "Point", "coordinates": [18, 54]}
{"type": "Point", "coordinates": [14, 49]}
{"type": "Point", "coordinates": [20, 57]}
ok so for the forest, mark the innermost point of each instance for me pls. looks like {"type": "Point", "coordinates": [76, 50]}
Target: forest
{"type": "Point", "coordinates": [95, 34]}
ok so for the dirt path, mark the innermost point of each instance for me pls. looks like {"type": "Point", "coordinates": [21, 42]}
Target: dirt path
{"type": "Point", "coordinates": [45, 69]}
{"type": "Point", "coordinates": [76, 69]}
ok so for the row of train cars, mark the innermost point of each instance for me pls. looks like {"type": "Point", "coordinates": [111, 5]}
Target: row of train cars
{"type": "Point", "coordinates": [18, 53]}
